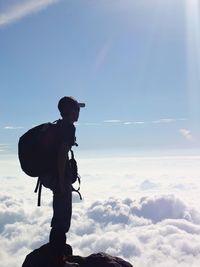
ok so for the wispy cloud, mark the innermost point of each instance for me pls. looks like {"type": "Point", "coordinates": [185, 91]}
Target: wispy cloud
{"type": "Point", "coordinates": [159, 121]}
{"type": "Point", "coordinates": [123, 122]}
{"type": "Point", "coordinates": [186, 133]}
{"type": "Point", "coordinates": [133, 122]}
{"type": "Point", "coordinates": [23, 8]}
{"type": "Point", "coordinates": [13, 127]}
{"type": "Point", "coordinates": [111, 121]}
{"type": "Point", "coordinates": [92, 123]}
{"type": "Point", "coordinates": [169, 120]}
{"type": "Point", "coordinates": [3, 147]}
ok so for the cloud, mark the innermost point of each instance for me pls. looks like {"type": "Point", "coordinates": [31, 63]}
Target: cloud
{"type": "Point", "coordinates": [91, 123]}
{"type": "Point", "coordinates": [155, 209]}
{"type": "Point", "coordinates": [111, 121]}
{"type": "Point", "coordinates": [13, 127]}
{"type": "Point", "coordinates": [121, 122]}
{"type": "Point", "coordinates": [148, 185]}
{"type": "Point", "coordinates": [111, 211]}
{"type": "Point", "coordinates": [169, 120]}
{"type": "Point", "coordinates": [22, 9]}
{"type": "Point", "coordinates": [133, 122]}
{"type": "Point", "coordinates": [131, 220]}
{"type": "Point", "coordinates": [147, 231]}
{"type": "Point", "coordinates": [160, 121]}
{"type": "Point", "coordinates": [186, 133]}
{"type": "Point", "coordinates": [161, 208]}
{"type": "Point", "coordinates": [4, 147]}
{"type": "Point", "coordinates": [164, 120]}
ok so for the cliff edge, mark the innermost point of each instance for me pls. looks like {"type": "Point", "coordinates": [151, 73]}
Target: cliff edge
{"type": "Point", "coordinates": [45, 256]}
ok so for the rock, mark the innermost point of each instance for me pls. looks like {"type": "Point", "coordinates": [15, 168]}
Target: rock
{"type": "Point", "coordinates": [100, 259]}
{"type": "Point", "coordinates": [45, 256]}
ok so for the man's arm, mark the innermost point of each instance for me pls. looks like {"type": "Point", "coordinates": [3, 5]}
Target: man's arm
{"type": "Point", "coordinates": [62, 157]}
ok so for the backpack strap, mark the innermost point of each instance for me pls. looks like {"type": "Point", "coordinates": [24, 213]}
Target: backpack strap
{"type": "Point", "coordinates": [77, 178]}
{"type": "Point", "coordinates": [38, 189]}
{"type": "Point", "coordinates": [77, 191]}
{"type": "Point", "coordinates": [79, 187]}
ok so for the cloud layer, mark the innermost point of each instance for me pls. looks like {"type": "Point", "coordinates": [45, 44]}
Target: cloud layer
{"type": "Point", "coordinates": [127, 211]}
{"type": "Point", "coordinates": [157, 230]}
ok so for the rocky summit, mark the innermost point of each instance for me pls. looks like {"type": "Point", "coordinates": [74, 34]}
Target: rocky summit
{"type": "Point", "coordinates": [46, 256]}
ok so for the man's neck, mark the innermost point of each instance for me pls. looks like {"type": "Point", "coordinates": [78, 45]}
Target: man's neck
{"type": "Point", "coordinates": [66, 121]}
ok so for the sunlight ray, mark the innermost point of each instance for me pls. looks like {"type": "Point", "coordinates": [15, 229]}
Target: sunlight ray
{"type": "Point", "coordinates": [193, 55]}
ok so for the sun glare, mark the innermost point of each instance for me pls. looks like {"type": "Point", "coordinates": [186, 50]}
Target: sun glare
{"type": "Point", "coordinates": [193, 55]}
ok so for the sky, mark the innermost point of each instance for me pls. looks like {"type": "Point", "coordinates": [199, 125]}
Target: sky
{"type": "Point", "coordinates": [136, 66]}
{"type": "Point", "coordinates": [134, 63]}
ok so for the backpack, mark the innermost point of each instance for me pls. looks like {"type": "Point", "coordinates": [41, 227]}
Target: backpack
{"type": "Point", "coordinates": [37, 150]}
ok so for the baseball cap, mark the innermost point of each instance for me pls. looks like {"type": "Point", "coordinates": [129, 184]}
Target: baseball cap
{"type": "Point", "coordinates": [68, 102]}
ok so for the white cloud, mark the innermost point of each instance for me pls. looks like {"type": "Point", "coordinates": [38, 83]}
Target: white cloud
{"type": "Point", "coordinates": [169, 120]}
{"type": "Point", "coordinates": [164, 120]}
{"type": "Point", "coordinates": [22, 9]}
{"type": "Point", "coordinates": [13, 127]}
{"type": "Point", "coordinates": [160, 208]}
{"type": "Point", "coordinates": [128, 123]}
{"type": "Point", "coordinates": [133, 230]}
{"type": "Point", "coordinates": [144, 238]}
{"type": "Point", "coordinates": [147, 228]}
{"type": "Point", "coordinates": [148, 185]}
{"type": "Point", "coordinates": [153, 209]}
{"type": "Point", "coordinates": [91, 123]}
{"type": "Point", "coordinates": [186, 133]}
{"type": "Point", "coordinates": [138, 122]}
{"type": "Point", "coordinates": [120, 122]}
{"type": "Point", "coordinates": [111, 121]}
{"type": "Point", "coordinates": [133, 122]}
{"type": "Point", "coordinates": [111, 225]}
{"type": "Point", "coordinates": [4, 147]}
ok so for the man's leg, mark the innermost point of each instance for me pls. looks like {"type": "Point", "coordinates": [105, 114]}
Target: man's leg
{"type": "Point", "coordinates": [62, 209]}
{"type": "Point", "coordinates": [62, 212]}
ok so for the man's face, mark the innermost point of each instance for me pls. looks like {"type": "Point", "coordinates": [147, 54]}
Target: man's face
{"type": "Point", "coordinates": [74, 114]}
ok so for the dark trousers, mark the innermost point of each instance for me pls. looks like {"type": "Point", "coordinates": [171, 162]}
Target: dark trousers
{"type": "Point", "coordinates": [62, 204]}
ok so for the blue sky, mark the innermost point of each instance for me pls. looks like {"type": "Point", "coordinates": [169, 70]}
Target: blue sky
{"type": "Point", "coordinates": [134, 63]}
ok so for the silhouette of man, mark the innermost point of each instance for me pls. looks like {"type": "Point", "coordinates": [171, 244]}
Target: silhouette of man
{"type": "Point", "coordinates": [59, 180]}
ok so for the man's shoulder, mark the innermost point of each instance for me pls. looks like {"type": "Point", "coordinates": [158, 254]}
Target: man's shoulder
{"type": "Point", "coordinates": [66, 132]}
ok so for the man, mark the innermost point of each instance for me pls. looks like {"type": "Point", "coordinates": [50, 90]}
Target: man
{"type": "Point", "coordinates": [59, 180]}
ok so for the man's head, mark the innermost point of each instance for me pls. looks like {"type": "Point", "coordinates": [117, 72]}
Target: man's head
{"type": "Point", "coordinates": [69, 108]}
